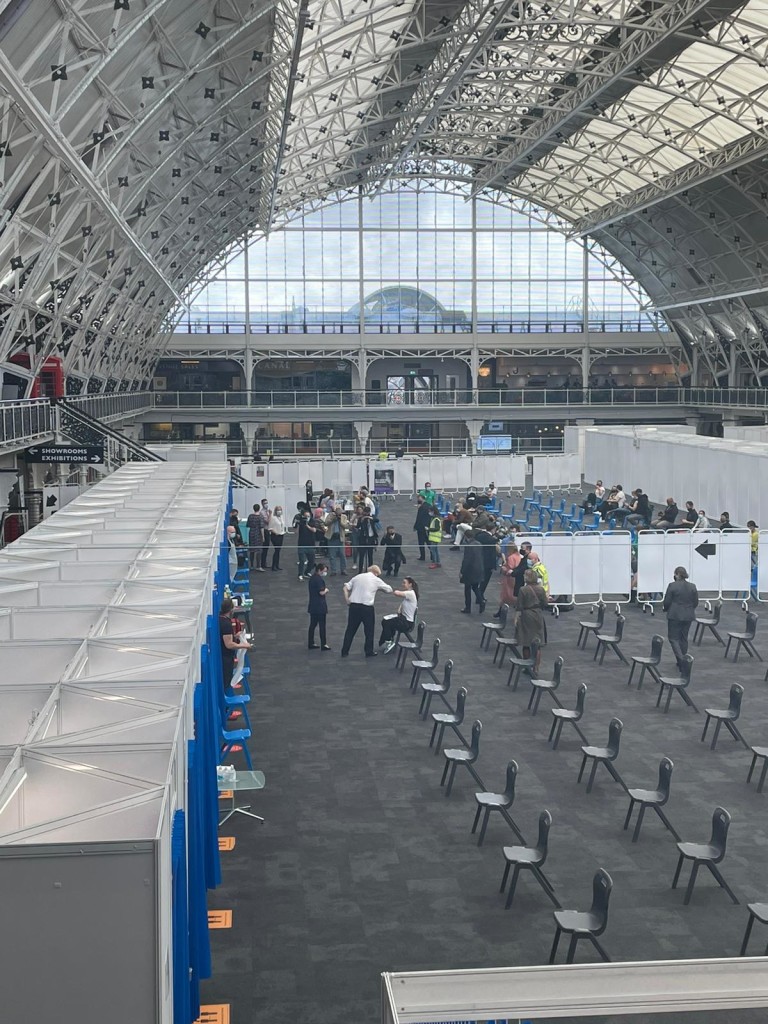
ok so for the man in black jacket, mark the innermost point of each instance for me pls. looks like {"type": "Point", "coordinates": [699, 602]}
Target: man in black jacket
{"type": "Point", "coordinates": [680, 603]}
{"type": "Point", "coordinates": [490, 553]}
{"type": "Point", "coordinates": [392, 542]}
{"type": "Point", "coordinates": [472, 572]}
{"type": "Point", "coordinates": [667, 517]}
{"type": "Point", "coordinates": [421, 526]}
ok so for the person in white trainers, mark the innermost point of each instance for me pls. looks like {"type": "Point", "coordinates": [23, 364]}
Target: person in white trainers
{"type": "Point", "coordinates": [404, 619]}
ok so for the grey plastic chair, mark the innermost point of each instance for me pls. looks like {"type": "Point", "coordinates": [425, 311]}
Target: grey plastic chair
{"type": "Point", "coordinates": [647, 662]}
{"type": "Point", "coordinates": [587, 627]}
{"type": "Point", "coordinates": [744, 638]}
{"type": "Point", "coordinates": [518, 663]}
{"type": "Point", "coordinates": [727, 717]}
{"type": "Point", "coordinates": [487, 802]}
{"type": "Point", "coordinates": [464, 756]}
{"type": "Point", "coordinates": [406, 646]}
{"type": "Point", "coordinates": [603, 755]}
{"type": "Point", "coordinates": [531, 857]}
{"type": "Point", "coordinates": [708, 622]}
{"type": "Point", "coordinates": [491, 628]}
{"type": "Point", "coordinates": [585, 924]}
{"type": "Point", "coordinates": [757, 912]}
{"type": "Point", "coordinates": [757, 754]}
{"type": "Point", "coordinates": [540, 686]}
{"type": "Point", "coordinates": [420, 665]}
{"type": "Point", "coordinates": [562, 715]}
{"type": "Point", "coordinates": [707, 854]}
{"type": "Point", "coordinates": [653, 798]}
{"type": "Point", "coordinates": [432, 689]}
{"type": "Point", "coordinates": [677, 684]}
{"type": "Point", "coordinates": [449, 720]}
{"type": "Point", "coordinates": [611, 641]}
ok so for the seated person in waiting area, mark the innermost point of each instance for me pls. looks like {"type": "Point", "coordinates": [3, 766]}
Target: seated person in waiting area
{"type": "Point", "coordinates": [689, 516]}
{"type": "Point", "coordinates": [616, 500]}
{"type": "Point", "coordinates": [639, 510]}
{"type": "Point", "coordinates": [667, 517]}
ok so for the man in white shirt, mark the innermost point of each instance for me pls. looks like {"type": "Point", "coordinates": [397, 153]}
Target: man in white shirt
{"type": "Point", "coordinates": [360, 594]}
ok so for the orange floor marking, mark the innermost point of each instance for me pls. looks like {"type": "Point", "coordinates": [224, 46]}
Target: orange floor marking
{"type": "Point", "coordinates": [214, 1014]}
{"type": "Point", "coordinates": [226, 794]}
{"type": "Point", "coordinates": [226, 843]}
{"type": "Point", "coordinates": [219, 918]}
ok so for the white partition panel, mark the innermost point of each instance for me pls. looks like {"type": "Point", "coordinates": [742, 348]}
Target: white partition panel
{"type": "Point", "coordinates": [403, 474]}
{"type": "Point", "coordinates": [586, 566]}
{"type": "Point", "coordinates": [555, 471]}
{"type": "Point", "coordinates": [718, 563]}
{"type": "Point", "coordinates": [762, 568]}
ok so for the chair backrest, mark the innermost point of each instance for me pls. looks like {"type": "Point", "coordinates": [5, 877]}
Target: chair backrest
{"type": "Point", "coordinates": [666, 766]}
{"type": "Point", "coordinates": [509, 787]}
{"type": "Point", "coordinates": [751, 626]}
{"type": "Point", "coordinates": [474, 743]}
{"type": "Point", "coordinates": [619, 629]}
{"type": "Point", "coordinates": [685, 671]}
{"type": "Point", "coordinates": [716, 612]}
{"type": "Point", "coordinates": [556, 671]}
{"type": "Point", "coordinates": [721, 822]}
{"type": "Point", "coordinates": [581, 696]}
{"type": "Point", "coordinates": [461, 700]}
{"type": "Point", "coordinates": [657, 645]}
{"type": "Point", "coordinates": [600, 614]}
{"type": "Point", "coordinates": [595, 520]}
{"type": "Point", "coordinates": [614, 738]}
{"type": "Point", "coordinates": [435, 652]}
{"type": "Point", "coordinates": [542, 842]}
{"type": "Point", "coordinates": [734, 703]}
{"type": "Point", "coordinates": [503, 613]}
{"type": "Point", "coordinates": [447, 669]}
{"type": "Point", "coordinates": [602, 885]}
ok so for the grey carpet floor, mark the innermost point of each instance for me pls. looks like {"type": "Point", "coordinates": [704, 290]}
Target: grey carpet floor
{"type": "Point", "coordinates": [364, 866]}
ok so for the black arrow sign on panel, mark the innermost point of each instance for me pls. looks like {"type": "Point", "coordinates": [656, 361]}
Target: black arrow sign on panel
{"type": "Point", "coordinates": [706, 549]}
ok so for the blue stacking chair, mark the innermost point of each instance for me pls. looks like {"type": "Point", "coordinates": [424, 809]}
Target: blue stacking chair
{"type": "Point", "coordinates": [559, 512]}
{"type": "Point", "coordinates": [509, 516]}
{"type": "Point", "coordinates": [576, 522]}
{"type": "Point", "coordinates": [594, 526]}
{"type": "Point", "coordinates": [566, 517]}
{"type": "Point", "coordinates": [532, 503]}
{"type": "Point", "coordinates": [537, 527]}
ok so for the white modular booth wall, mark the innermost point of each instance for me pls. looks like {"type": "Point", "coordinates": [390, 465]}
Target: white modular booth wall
{"type": "Point", "coordinates": [717, 475]}
{"type": "Point", "coordinates": [103, 612]}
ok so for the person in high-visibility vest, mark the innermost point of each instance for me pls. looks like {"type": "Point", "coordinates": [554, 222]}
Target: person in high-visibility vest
{"type": "Point", "coordinates": [540, 569]}
{"type": "Point", "coordinates": [434, 536]}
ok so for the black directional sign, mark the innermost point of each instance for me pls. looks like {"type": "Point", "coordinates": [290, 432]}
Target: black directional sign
{"type": "Point", "coordinates": [65, 453]}
{"type": "Point", "coordinates": [706, 549]}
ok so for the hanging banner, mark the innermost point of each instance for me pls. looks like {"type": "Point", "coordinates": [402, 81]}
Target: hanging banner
{"type": "Point", "coordinates": [383, 481]}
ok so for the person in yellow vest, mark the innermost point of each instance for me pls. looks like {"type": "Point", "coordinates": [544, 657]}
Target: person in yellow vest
{"type": "Point", "coordinates": [434, 536]}
{"type": "Point", "coordinates": [540, 569]}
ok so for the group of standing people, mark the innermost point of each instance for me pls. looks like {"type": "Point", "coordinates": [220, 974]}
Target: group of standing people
{"type": "Point", "coordinates": [265, 526]}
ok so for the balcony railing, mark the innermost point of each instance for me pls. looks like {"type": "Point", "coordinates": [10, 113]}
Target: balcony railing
{"type": "Point", "coordinates": [114, 407]}
{"type": "Point", "coordinates": [26, 419]}
{"type": "Point", "coordinates": [221, 324]}
{"type": "Point", "coordinates": [492, 398]}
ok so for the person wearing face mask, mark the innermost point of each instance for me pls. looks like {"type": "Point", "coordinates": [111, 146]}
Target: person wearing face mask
{"type": "Point", "coordinates": [317, 607]}
{"type": "Point", "coordinates": [535, 563]}
{"type": "Point", "coordinates": [405, 618]}
{"type": "Point", "coordinates": [392, 542]}
{"type": "Point", "coordinates": [277, 536]}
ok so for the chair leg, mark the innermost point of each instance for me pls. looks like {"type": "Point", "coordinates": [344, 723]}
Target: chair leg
{"type": "Point", "coordinates": [688, 700]}
{"type": "Point", "coordinates": [747, 933]}
{"type": "Point", "coordinates": [532, 697]}
{"type": "Point", "coordinates": [638, 823]}
{"type": "Point", "coordinates": [691, 883]}
{"type": "Point", "coordinates": [545, 884]}
{"type": "Point", "coordinates": [559, 731]}
{"type": "Point", "coordinates": [512, 887]}
{"type": "Point", "coordinates": [617, 650]}
{"type": "Point", "coordinates": [552, 731]}
{"type": "Point", "coordinates": [571, 948]}
{"type": "Point", "coordinates": [631, 673]}
{"type": "Point", "coordinates": [698, 631]}
{"type": "Point", "coordinates": [445, 772]}
{"type": "Point", "coordinates": [669, 698]}
{"type": "Point", "coordinates": [477, 818]}
{"type": "Point", "coordinates": [505, 876]}
{"type": "Point", "coordinates": [451, 777]}
{"type": "Point", "coordinates": [486, 818]}
{"type": "Point", "coordinates": [599, 949]}
{"type": "Point", "coordinates": [716, 733]}
{"type": "Point", "coordinates": [583, 766]}
{"type": "Point", "coordinates": [727, 648]}
{"type": "Point", "coordinates": [734, 731]}
{"type": "Point", "coordinates": [629, 813]}
{"type": "Point", "coordinates": [679, 868]}
{"type": "Point", "coordinates": [556, 940]}
{"type": "Point", "coordinates": [751, 650]}
{"type": "Point", "coordinates": [706, 726]}
{"type": "Point", "coordinates": [423, 702]}
{"type": "Point", "coordinates": [763, 773]}
{"type": "Point", "coordinates": [661, 690]}
{"type": "Point", "coordinates": [592, 775]}
{"type": "Point", "coordinates": [722, 882]}
{"type": "Point", "coordinates": [667, 823]}
{"type": "Point", "coordinates": [603, 649]}
{"type": "Point", "coordinates": [716, 636]}
{"type": "Point", "coordinates": [434, 733]}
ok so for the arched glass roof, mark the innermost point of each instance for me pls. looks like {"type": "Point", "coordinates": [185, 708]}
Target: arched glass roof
{"type": "Point", "coordinates": [140, 139]}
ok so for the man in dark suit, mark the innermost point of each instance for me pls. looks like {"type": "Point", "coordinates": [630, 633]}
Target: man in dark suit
{"type": "Point", "coordinates": [680, 603]}
{"type": "Point", "coordinates": [421, 526]}
{"type": "Point", "coordinates": [392, 542]}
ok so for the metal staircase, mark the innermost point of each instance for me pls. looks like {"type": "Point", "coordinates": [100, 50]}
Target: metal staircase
{"type": "Point", "coordinates": [85, 429]}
